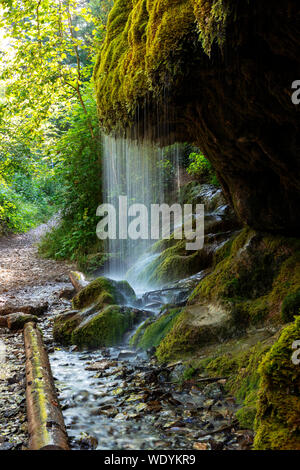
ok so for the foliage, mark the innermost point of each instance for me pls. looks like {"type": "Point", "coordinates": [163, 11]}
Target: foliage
{"type": "Point", "coordinates": [27, 190]}
{"type": "Point", "coordinates": [78, 167]}
{"type": "Point", "coordinates": [50, 59]}
{"type": "Point", "coordinates": [201, 168]}
{"type": "Point", "coordinates": [47, 96]}
{"type": "Point", "coordinates": [290, 306]}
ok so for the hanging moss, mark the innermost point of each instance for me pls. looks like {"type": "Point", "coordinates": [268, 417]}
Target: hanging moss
{"type": "Point", "coordinates": [211, 16]}
{"type": "Point", "coordinates": [143, 50]}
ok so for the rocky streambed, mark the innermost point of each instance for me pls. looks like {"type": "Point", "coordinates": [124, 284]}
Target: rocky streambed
{"type": "Point", "coordinates": [120, 399]}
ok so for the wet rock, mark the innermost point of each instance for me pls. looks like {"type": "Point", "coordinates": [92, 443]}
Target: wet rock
{"type": "Point", "coordinates": [213, 391]}
{"type": "Point", "coordinates": [33, 309]}
{"type": "Point", "coordinates": [103, 291]}
{"type": "Point", "coordinates": [66, 293]}
{"type": "Point", "coordinates": [126, 354]}
{"type": "Point", "coordinates": [16, 321]}
{"type": "Point", "coordinates": [6, 446]}
{"type": "Point", "coordinates": [101, 365]}
{"type": "Point", "coordinates": [88, 442]}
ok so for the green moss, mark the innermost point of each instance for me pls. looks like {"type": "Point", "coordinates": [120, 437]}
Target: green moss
{"type": "Point", "coordinates": [246, 416]}
{"type": "Point", "coordinates": [83, 326]}
{"type": "Point", "coordinates": [144, 48]}
{"type": "Point", "coordinates": [135, 339]}
{"type": "Point", "coordinates": [106, 328]}
{"type": "Point", "coordinates": [64, 325]}
{"type": "Point", "coordinates": [277, 422]}
{"type": "Point", "coordinates": [223, 252]}
{"type": "Point", "coordinates": [253, 274]}
{"type": "Point", "coordinates": [92, 328]}
{"type": "Point", "coordinates": [103, 291]}
{"type": "Point", "coordinates": [290, 306]}
{"type": "Point", "coordinates": [243, 378]}
{"type": "Point", "coordinates": [174, 263]}
{"type": "Point", "coordinates": [188, 334]}
{"type": "Point", "coordinates": [155, 332]}
{"type": "Point", "coordinates": [212, 18]}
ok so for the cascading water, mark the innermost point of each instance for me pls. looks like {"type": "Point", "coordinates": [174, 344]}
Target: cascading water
{"type": "Point", "coordinates": [142, 172]}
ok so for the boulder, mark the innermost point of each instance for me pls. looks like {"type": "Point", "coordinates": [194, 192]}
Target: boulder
{"type": "Point", "coordinates": [98, 319]}
{"type": "Point", "coordinates": [17, 320]}
{"type": "Point", "coordinates": [29, 309]}
{"type": "Point", "coordinates": [92, 328]}
{"type": "Point", "coordinates": [103, 291]}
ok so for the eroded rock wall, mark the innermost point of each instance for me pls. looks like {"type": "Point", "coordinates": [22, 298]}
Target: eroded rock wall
{"type": "Point", "coordinates": [217, 73]}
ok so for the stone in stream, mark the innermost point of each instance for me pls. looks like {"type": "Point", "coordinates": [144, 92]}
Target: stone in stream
{"type": "Point", "coordinates": [99, 317]}
{"type": "Point", "coordinates": [30, 309]}
{"type": "Point", "coordinates": [16, 321]}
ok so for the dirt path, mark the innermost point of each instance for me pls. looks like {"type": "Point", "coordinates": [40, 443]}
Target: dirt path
{"type": "Point", "coordinates": [26, 280]}
{"type": "Point", "coordinates": [21, 266]}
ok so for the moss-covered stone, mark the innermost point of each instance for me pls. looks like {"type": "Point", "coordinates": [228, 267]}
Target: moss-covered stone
{"type": "Point", "coordinates": [143, 37]}
{"type": "Point", "coordinates": [91, 327]}
{"type": "Point", "coordinates": [65, 324]}
{"type": "Point", "coordinates": [103, 291]}
{"type": "Point", "coordinates": [278, 412]}
{"type": "Point", "coordinates": [97, 318]}
{"type": "Point", "coordinates": [253, 275]}
{"type": "Point", "coordinates": [176, 263]}
{"type": "Point", "coordinates": [137, 336]}
{"type": "Point", "coordinates": [150, 335]}
{"type": "Point", "coordinates": [195, 327]}
{"type": "Point", "coordinates": [105, 328]}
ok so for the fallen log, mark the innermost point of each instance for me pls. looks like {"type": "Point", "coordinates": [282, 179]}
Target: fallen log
{"type": "Point", "coordinates": [78, 280]}
{"type": "Point", "coordinates": [46, 425]}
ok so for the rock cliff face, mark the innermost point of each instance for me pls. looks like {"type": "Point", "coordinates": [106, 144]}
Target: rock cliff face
{"type": "Point", "coordinates": [217, 73]}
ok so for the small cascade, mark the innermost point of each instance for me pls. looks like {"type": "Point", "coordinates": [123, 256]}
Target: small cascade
{"type": "Point", "coordinates": [146, 174]}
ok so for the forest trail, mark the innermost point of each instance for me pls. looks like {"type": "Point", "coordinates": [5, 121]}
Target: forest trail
{"type": "Point", "coordinates": [21, 268]}
{"type": "Point", "coordinates": [26, 282]}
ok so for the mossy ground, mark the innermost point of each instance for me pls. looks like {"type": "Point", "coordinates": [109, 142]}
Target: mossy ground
{"type": "Point", "coordinates": [278, 413]}
{"type": "Point", "coordinates": [237, 360]}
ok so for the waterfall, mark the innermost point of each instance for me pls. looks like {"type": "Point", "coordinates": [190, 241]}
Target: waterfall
{"type": "Point", "coordinates": [146, 174]}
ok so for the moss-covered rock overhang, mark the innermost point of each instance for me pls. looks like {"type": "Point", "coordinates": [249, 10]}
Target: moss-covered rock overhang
{"type": "Point", "coordinates": [217, 73]}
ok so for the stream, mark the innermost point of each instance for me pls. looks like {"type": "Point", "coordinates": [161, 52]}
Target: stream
{"type": "Point", "coordinates": [121, 398]}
